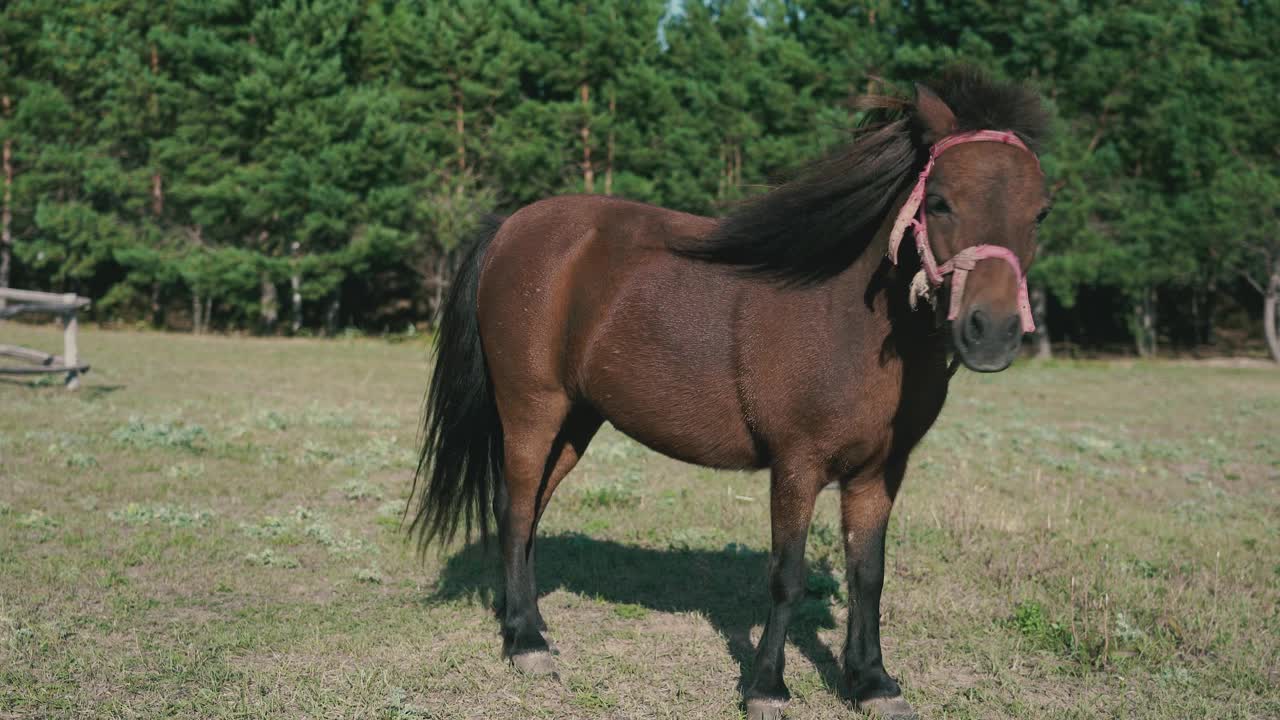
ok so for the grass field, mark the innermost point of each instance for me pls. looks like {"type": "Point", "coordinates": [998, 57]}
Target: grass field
{"type": "Point", "coordinates": [209, 528]}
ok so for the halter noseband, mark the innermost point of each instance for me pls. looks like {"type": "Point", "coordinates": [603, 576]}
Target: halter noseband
{"type": "Point", "coordinates": [966, 259]}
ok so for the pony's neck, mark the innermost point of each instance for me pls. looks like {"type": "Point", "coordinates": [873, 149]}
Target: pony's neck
{"type": "Point", "coordinates": [882, 289]}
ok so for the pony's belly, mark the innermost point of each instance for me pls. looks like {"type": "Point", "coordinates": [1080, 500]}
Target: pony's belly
{"type": "Point", "coordinates": [715, 443]}
{"type": "Point", "coordinates": [698, 422]}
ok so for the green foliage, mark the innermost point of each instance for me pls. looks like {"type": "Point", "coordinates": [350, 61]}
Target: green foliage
{"type": "Point", "coordinates": [161, 514]}
{"type": "Point", "coordinates": [270, 558]}
{"type": "Point", "coordinates": [39, 520]}
{"type": "Point", "coordinates": [141, 434]}
{"type": "Point", "coordinates": [631, 611]}
{"type": "Point", "coordinates": [609, 495]}
{"type": "Point", "coordinates": [1029, 619]}
{"type": "Point", "coordinates": [360, 490]}
{"type": "Point", "coordinates": [233, 165]}
{"type": "Point", "coordinates": [369, 575]}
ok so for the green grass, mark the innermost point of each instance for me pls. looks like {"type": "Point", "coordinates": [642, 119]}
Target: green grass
{"type": "Point", "coordinates": [209, 528]}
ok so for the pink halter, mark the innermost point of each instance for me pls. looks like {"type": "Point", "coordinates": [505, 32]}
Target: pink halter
{"type": "Point", "coordinates": [966, 259]}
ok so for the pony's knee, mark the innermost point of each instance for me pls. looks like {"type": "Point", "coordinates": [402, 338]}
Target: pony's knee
{"type": "Point", "coordinates": [786, 576]}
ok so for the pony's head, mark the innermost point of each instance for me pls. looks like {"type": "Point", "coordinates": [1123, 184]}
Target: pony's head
{"type": "Point", "coordinates": [974, 211]}
{"type": "Point", "coordinates": [963, 156]}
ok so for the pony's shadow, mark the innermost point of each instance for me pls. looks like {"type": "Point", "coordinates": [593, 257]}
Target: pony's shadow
{"type": "Point", "coordinates": [728, 587]}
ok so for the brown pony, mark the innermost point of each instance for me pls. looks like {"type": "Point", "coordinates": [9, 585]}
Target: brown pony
{"type": "Point", "coordinates": [780, 336]}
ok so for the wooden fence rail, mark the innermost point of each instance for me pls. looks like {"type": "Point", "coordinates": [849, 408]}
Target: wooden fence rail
{"type": "Point", "coordinates": [17, 302]}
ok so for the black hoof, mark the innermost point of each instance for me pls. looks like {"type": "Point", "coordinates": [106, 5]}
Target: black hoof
{"type": "Point", "coordinates": [765, 709]}
{"type": "Point", "coordinates": [538, 663]}
{"type": "Point", "coordinates": [894, 708]}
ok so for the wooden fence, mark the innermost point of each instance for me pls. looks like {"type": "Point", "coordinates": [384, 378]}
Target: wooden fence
{"type": "Point", "coordinates": [17, 302]}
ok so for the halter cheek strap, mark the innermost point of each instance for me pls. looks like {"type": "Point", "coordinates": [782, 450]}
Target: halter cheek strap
{"type": "Point", "coordinates": [912, 215]}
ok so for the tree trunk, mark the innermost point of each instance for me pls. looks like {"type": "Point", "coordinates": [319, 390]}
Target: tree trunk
{"type": "Point", "coordinates": [722, 183]}
{"type": "Point", "coordinates": [588, 172]}
{"type": "Point", "coordinates": [157, 315]}
{"type": "Point", "coordinates": [1149, 320]}
{"type": "Point", "coordinates": [196, 304]}
{"type": "Point", "coordinates": [6, 214]}
{"type": "Point", "coordinates": [441, 281]}
{"type": "Point", "coordinates": [1139, 342]}
{"type": "Point", "coordinates": [737, 167]}
{"type": "Point", "coordinates": [608, 163]}
{"type": "Point", "coordinates": [731, 169]}
{"type": "Point", "coordinates": [1196, 319]}
{"type": "Point", "coordinates": [269, 305]}
{"type": "Point", "coordinates": [195, 233]}
{"type": "Point", "coordinates": [1269, 311]}
{"type": "Point", "coordinates": [1208, 307]}
{"type": "Point", "coordinates": [208, 313]}
{"type": "Point", "coordinates": [155, 70]}
{"type": "Point", "coordinates": [460, 126]}
{"type": "Point", "coordinates": [157, 194]}
{"type": "Point", "coordinates": [1039, 303]}
{"type": "Point", "coordinates": [331, 315]}
{"type": "Point", "coordinates": [295, 286]}
{"type": "Point", "coordinates": [1144, 335]}
{"type": "Point", "coordinates": [157, 182]}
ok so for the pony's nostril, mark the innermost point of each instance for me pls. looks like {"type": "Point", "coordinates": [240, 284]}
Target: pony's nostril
{"type": "Point", "coordinates": [1013, 328]}
{"type": "Point", "coordinates": [975, 327]}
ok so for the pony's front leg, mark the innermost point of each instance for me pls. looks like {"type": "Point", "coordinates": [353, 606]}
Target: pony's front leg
{"type": "Point", "coordinates": [791, 496]}
{"type": "Point", "coordinates": [865, 502]}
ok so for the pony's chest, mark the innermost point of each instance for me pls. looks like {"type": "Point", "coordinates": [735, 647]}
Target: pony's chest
{"type": "Point", "coordinates": [920, 403]}
{"type": "Point", "coordinates": [836, 380]}
{"type": "Point", "coordinates": [887, 416]}
{"type": "Point", "coordinates": [853, 416]}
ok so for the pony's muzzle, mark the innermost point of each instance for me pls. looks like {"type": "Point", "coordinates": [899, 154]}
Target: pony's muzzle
{"type": "Point", "coordinates": [987, 341]}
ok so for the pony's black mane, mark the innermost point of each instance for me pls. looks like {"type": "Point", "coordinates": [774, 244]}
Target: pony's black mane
{"type": "Point", "coordinates": [816, 225]}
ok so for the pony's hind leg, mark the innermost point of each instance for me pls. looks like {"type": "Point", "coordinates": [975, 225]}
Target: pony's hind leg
{"type": "Point", "coordinates": [541, 446]}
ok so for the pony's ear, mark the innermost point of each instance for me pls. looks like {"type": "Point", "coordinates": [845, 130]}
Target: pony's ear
{"type": "Point", "coordinates": [934, 117]}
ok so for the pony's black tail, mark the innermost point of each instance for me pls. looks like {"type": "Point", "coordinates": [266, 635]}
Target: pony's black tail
{"type": "Point", "coordinates": [461, 457]}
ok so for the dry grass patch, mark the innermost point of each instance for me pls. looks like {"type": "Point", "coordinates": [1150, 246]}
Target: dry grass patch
{"type": "Point", "coordinates": [210, 528]}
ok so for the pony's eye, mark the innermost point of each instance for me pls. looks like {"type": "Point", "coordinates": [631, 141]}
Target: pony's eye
{"type": "Point", "coordinates": [935, 205]}
{"type": "Point", "coordinates": [1043, 214]}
